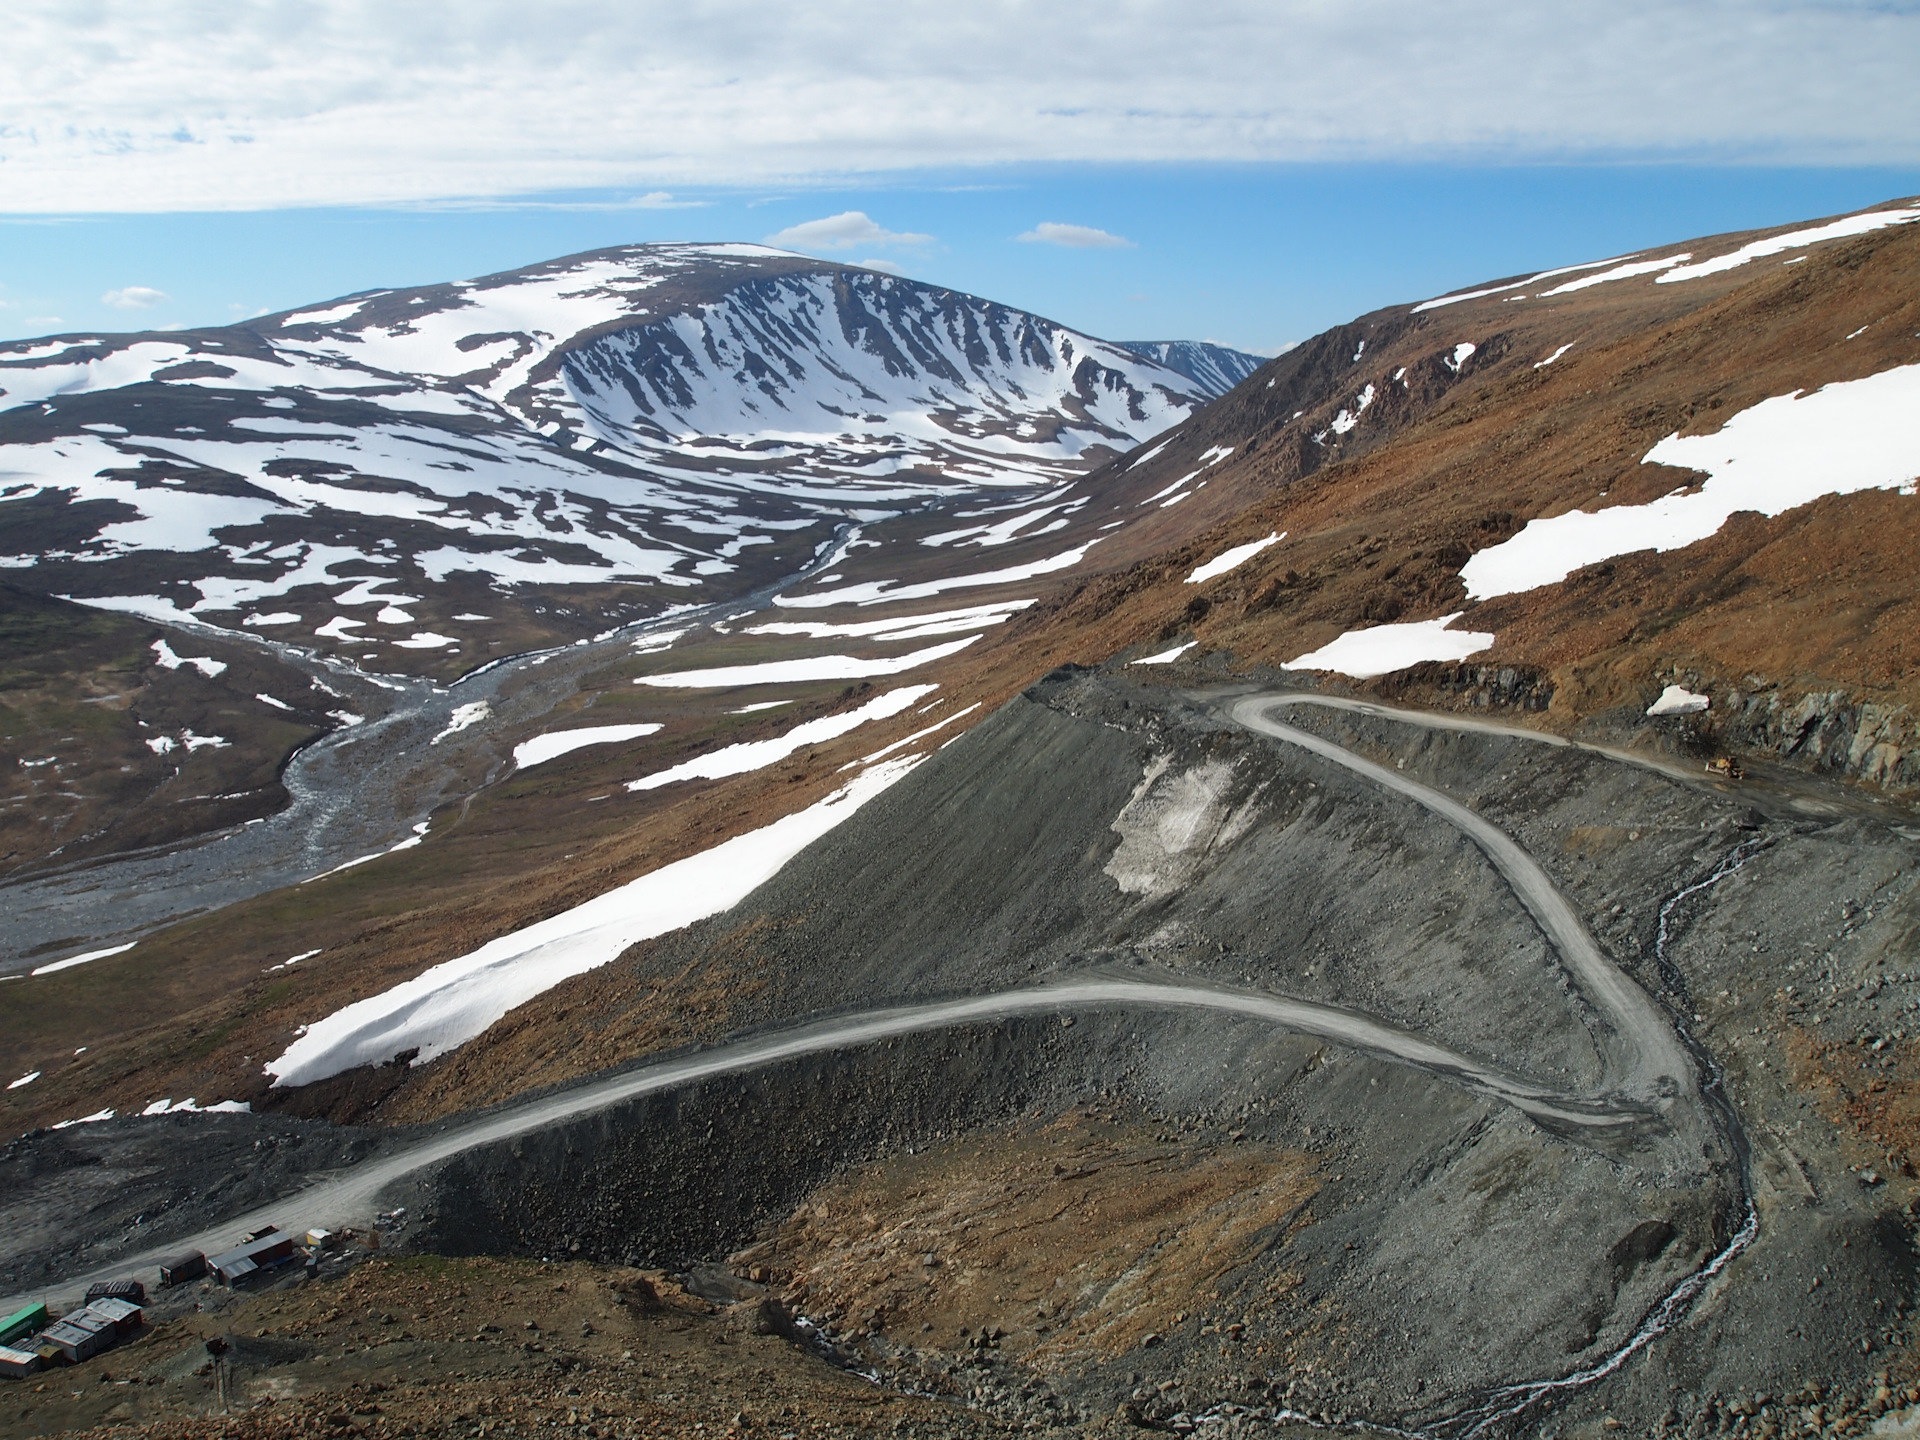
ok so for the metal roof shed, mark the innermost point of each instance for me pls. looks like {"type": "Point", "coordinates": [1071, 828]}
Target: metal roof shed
{"type": "Point", "coordinates": [15, 1363]}
{"type": "Point", "coordinates": [244, 1260]}
{"type": "Point", "coordinates": [79, 1336]}
{"type": "Point", "coordinates": [123, 1315]}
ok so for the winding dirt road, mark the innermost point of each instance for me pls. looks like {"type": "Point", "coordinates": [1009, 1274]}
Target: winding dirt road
{"type": "Point", "coordinates": [1647, 1068]}
{"type": "Point", "coordinates": [1644, 1056]}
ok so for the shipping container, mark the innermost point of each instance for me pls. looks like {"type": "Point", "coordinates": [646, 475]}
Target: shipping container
{"type": "Point", "coordinates": [190, 1265]}
{"type": "Point", "coordinates": [22, 1323]}
{"type": "Point", "coordinates": [16, 1363]}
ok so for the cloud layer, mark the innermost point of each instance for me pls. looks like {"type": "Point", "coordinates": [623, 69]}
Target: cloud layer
{"type": "Point", "coordinates": [1074, 237]}
{"type": "Point", "coordinates": [133, 297]}
{"type": "Point", "coordinates": [845, 231]}
{"type": "Point", "coordinates": [123, 105]}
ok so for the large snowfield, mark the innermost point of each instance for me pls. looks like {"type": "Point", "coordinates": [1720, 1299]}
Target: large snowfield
{"type": "Point", "coordinates": [1784, 452]}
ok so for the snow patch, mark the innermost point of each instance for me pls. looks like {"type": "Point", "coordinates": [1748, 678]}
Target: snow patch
{"type": "Point", "coordinates": [1678, 700]}
{"type": "Point", "coordinates": [1382, 649]}
{"type": "Point", "coordinates": [879, 591]}
{"type": "Point", "coordinates": [1784, 452]}
{"type": "Point", "coordinates": [464, 717]}
{"type": "Point", "coordinates": [451, 1003]}
{"type": "Point", "coordinates": [1792, 240]}
{"type": "Point", "coordinates": [1165, 657]}
{"type": "Point", "coordinates": [542, 748]}
{"type": "Point", "coordinates": [73, 960]}
{"type": "Point", "coordinates": [788, 672]}
{"type": "Point", "coordinates": [164, 657]}
{"type": "Point", "coordinates": [1229, 559]}
{"type": "Point", "coordinates": [758, 754]}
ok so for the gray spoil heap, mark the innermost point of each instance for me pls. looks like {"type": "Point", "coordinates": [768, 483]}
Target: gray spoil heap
{"type": "Point", "coordinates": [1548, 1185]}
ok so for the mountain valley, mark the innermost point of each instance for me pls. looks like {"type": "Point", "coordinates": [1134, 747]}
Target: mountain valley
{"type": "Point", "coordinates": [1100, 887]}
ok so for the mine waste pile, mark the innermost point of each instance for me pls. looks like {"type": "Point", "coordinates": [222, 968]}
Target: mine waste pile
{"type": "Point", "coordinates": [1103, 889]}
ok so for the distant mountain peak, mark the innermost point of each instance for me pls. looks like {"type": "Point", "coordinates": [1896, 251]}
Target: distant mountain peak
{"type": "Point", "coordinates": [1216, 368]}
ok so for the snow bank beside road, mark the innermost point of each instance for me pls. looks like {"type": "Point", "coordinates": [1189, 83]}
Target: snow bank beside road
{"type": "Point", "coordinates": [1382, 649]}
{"type": "Point", "coordinates": [450, 1004]}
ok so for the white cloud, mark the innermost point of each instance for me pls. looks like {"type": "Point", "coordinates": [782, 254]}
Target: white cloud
{"type": "Point", "coordinates": [885, 266]}
{"type": "Point", "coordinates": [133, 297]}
{"type": "Point", "coordinates": [842, 232]}
{"type": "Point", "coordinates": [44, 320]}
{"type": "Point", "coordinates": [144, 105]}
{"type": "Point", "coordinates": [1074, 237]}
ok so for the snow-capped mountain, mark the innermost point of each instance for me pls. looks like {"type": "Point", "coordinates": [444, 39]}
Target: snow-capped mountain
{"type": "Point", "coordinates": [1216, 368]}
{"type": "Point", "coordinates": [676, 420]}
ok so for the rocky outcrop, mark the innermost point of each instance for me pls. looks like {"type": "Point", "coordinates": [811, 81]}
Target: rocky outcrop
{"type": "Point", "coordinates": [1830, 731]}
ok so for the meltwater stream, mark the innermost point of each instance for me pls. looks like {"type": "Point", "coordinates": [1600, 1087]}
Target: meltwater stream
{"type": "Point", "coordinates": [354, 794]}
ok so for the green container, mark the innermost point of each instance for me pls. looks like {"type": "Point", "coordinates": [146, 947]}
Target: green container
{"type": "Point", "coordinates": [23, 1323]}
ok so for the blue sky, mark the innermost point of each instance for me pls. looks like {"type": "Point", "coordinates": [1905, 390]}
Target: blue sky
{"type": "Point", "coordinates": [1253, 256]}
{"type": "Point", "coordinates": [1273, 166]}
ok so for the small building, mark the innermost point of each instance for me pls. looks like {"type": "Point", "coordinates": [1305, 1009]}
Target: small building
{"type": "Point", "coordinates": [131, 1291]}
{"type": "Point", "coordinates": [16, 1363]}
{"type": "Point", "coordinates": [318, 1240]}
{"type": "Point", "coordinates": [256, 1255]}
{"type": "Point", "coordinates": [22, 1323]}
{"type": "Point", "coordinates": [80, 1336]}
{"type": "Point", "coordinates": [188, 1265]}
{"type": "Point", "coordinates": [123, 1315]}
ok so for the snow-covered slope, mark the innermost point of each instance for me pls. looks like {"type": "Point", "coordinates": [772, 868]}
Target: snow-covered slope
{"type": "Point", "coordinates": [655, 416]}
{"type": "Point", "coordinates": [1215, 368]}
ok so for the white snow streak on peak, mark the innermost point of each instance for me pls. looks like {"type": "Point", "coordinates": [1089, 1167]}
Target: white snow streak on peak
{"type": "Point", "coordinates": [1228, 559]}
{"type": "Point", "coordinates": [1757, 249]}
{"type": "Point", "coordinates": [1382, 649]}
{"type": "Point", "coordinates": [1781, 453]}
{"type": "Point", "coordinates": [451, 1003]}
{"type": "Point", "coordinates": [877, 592]}
{"type": "Point", "coordinates": [1678, 700]}
{"type": "Point", "coordinates": [792, 672]}
{"type": "Point", "coordinates": [1515, 284]}
{"type": "Point", "coordinates": [542, 748]}
{"type": "Point", "coordinates": [758, 754]}
{"type": "Point", "coordinates": [1542, 364]}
